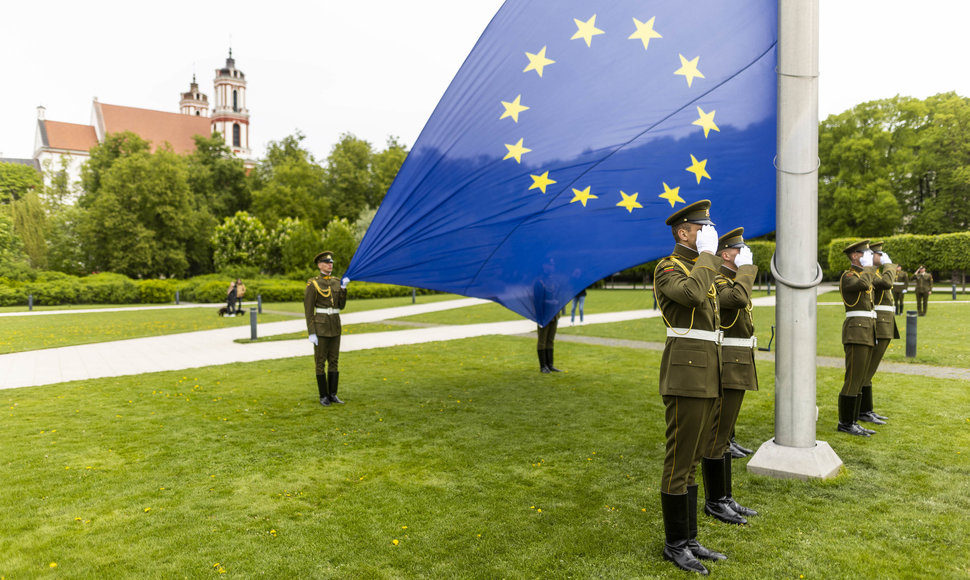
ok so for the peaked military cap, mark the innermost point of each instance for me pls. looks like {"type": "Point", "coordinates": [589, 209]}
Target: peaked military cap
{"type": "Point", "coordinates": [876, 247]}
{"type": "Point", "coordinates": [861, 246]}
{"type": "Point", "coordinates": [732, 239]}
{"type": "Point", "coordinates": [324, 256]}
{"type": "Point", "coordinates": [698, 212]}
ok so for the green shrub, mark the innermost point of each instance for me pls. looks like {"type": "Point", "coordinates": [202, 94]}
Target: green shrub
{"type": "Point", "coordinates": [66, 290]}
{"type": "Point", "coordinates": [107, 288]}
{"type": "Point", "coordinates": [156, 291]}
{"type": "Point", "coordinates": [12, 295]}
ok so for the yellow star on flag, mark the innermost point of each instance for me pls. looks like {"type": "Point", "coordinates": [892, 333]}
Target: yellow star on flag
{"type": "Point", "coordinates": [586, 30]}
{"type": "Point", "coordinates": [541, 182]}
{"type": "Point", "coordinates": [672, 195]}
{"type": "Point", "coordinates": [537, 61]}
{"type": "Point", "coordinates": [516, 151]}
{"type": "Point", "coordinates": [698, 168]}
{"type": "Point", "coordinates": [582, 196]}
{"type": "Point", "coordinates": [706, 120]}
{"type": "Point", "coordinates": [688, 68]}
{"type": "Point", "coordinates": [644, 32]}
{"type": "Point", "coordinates": [514, 108]}
{"type": "Point", "coordinates": [629, 202]}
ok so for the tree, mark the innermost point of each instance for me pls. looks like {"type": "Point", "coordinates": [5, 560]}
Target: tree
{"type": "Point", "coordinates": [59, 190]}
{"type": "Point", "coordinates": [350, 182]}
{"type": "Point", "coordinates": [17, 180]}
{"type": "Point", "coordinates": [289, 183]}
{"type": "Point", "coordinates": [102, 156]}
{"type": "Point", "coordinates": [217, 177]}
{"type": "Point", "coordinates": [292, 246]}
{"type": "Point", "coordinates": [65, 253]}
{"type": "Point", "coordinates": [240, 241]}
{"type": "Point", "coordinates": [143, 218]}
{"type": "Point", "coordinates": [339, 238]}
{"type": "Point", "coordinates": [11, 246]}
{"type": "Point", "coordinates": [30, 223]}
{"type": "Point", "coordinates": [385, 166]}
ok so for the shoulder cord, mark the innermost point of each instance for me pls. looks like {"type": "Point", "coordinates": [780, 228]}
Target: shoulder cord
{"type": "Point", "coordinates": [711, 293]}
{"type": "Point", "coordinates": [868, 291]}
{"type": "Point", "coordinates": [325, 295]}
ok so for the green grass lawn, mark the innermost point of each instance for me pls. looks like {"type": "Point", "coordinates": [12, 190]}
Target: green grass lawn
{"type": "Point", "coordinates": [452, 460]}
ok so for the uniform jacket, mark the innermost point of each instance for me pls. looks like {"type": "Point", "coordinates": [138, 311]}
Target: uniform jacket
{"type": "Point", "coordinates": [923, 282]}
{"type": "Point", "coordinates": [734, 301]}
{"type": "Point", "coordinates": [855, 286]}
{"type": "Point", "coordinates": [882, 284]}
{"type": "Point", "coordinates": [684, 285]}
{"type": "Point", "coordinates": [902, 281]}
{"type": "Point", "coordinates": [329, 295]}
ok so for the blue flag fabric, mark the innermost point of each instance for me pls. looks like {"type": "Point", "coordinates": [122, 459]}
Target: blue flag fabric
{"type": "Point", "coordinates": [569, 135]}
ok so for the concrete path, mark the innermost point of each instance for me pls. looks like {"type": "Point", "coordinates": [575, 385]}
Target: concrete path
{"type": "Point", "coordinates": [212, 347]}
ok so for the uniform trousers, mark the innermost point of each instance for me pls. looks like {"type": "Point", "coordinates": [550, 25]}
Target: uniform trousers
{"type": "Point", "coordinates": [898, 302]}
{"type": "Point", "coordinates": [922, 300]}
{"type": "Point", "coordinates": [547, 334]}
{"type": "Point", "coordinates": [857, 358]}
{"type": "Point", "coordinates": [327, 351]}
{"type": "Point", "coordinates": [688, 427]}
{"type": "Point", "coordinates": [877, 353]}
{"type": "Point", "coordinates": [723, 418]}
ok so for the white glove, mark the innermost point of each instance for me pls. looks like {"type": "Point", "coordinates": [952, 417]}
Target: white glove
{"type": "Point", "coordinates": [885, 259]}
{"type": "Point", "coordinates": [866, 259]}
{"type": "Point", "coordinates": [707, 240]}
{"type": "Point", "coordinates": [344, 282]}
{"type": "Point", "coordinates": [314, 339]}
{"type": "Point", "coordinates": [744, 258]}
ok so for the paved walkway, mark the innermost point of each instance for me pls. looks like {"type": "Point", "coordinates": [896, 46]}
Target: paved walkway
{"type": "Point", "coordinates": [212, 347]}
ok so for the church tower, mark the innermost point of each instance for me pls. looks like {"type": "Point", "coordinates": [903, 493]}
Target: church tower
{"type": "Point", "coordinates": [230, 117]}
{"type": "Point", "coordinates": [193, 102]}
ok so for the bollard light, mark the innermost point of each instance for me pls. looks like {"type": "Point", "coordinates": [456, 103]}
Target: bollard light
{"type": "Point", "coordinates": [176, 297]}
{"type": "Point", "coordinates": [252, 324]}
{"type": "Point", "coordinates": [30, 302]}
{"type": "Point", "coordinates": [259, 303]}
{"type": "Point", "coordinates": [910, 334]}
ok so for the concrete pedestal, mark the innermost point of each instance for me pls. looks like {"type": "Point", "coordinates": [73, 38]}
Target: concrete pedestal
{"type": "Point", "coordinates": [773, 460]}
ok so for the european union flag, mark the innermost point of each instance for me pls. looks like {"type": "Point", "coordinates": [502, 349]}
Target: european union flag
{"type": "Point", "coordinates": [570, 133]}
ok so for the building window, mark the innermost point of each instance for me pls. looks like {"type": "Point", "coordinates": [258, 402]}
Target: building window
{"type": "Point", "coordinates": [197, 113]}
{"type": "Point", "coordinates": [235, 101]}
{"type": "Point", "coordinates": [235, 135]}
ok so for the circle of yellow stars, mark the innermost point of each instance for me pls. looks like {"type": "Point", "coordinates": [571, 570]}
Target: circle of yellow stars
{"type": "Point", "coordinates": [586, 30]}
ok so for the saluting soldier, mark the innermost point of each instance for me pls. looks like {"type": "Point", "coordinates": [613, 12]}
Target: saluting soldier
{"type": "Point", "coordinates": [886, 329]}
{"type": "Point", "coordinates": [858, 333]}
{"type": "Point", "coordinates": [738, 373]}
{"type": "Point", "coordinates": [324, 298]}
{"type": "Point", "coordinates": [689, 374]}
{"type": "Point", "coordinates": [923, 281]}
{"type": "Point", "coordinates": [900, 288]}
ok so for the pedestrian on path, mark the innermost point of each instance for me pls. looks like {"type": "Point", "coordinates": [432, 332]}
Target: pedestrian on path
{"type": "Point", "coordinates": [325, 296]}
{"type": "Point", "coordinates": [579, 301]}
{"type": "Point", "coordinates": [690, 381]}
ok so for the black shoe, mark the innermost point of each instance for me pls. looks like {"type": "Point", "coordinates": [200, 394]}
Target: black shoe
{"type": "Point", "coordinates": [744, 450]}
{"type": "Point", "coordinates": [852, 429]}
{"type": "Point", "coordinates": [878, 416]}
{"type": "Point", "coordinates": [740, 509]}
{"type": "Point", "coordinates": [325, 401]}
{"type": "Point", "coordinates": [696, 548]}
{"type": "Point", "coordinates": [870, 417]}
{"type": "Point", "coordinates": [864, 430]}
{"type": "Point", "coordinates": [543, 365]}
{"type": "Point", "coordinates": [735, 452]}
{"type": "Point", "coordinates": [715, 488]}
{"type": "Point", "coordinates": [676, 510]}
{"type": "Point", "coordinates": [334, 399]}
{"type": "Point", "coordinates": [728, 488]}
{"type": "Point", "coordinates": [549, 362]}
{"type": "Point", "coordinates": [333, 379]}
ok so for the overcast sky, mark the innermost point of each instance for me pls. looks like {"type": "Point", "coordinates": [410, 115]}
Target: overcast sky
{"type": "Point", "coordinates": [376, 68]}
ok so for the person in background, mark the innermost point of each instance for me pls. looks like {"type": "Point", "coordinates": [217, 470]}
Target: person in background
{"type": "Point", "coordinates": [234, 295]}
{"type": "Point", "coordinates": [900, 288]}
{"type": "Point", "coordinates": [579, 301]}
{"type": "Point", "coordinates": [923, 281]}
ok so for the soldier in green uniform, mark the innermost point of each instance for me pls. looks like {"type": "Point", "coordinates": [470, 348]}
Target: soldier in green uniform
{"type": "Point", "coordinates": [886, 329]}
{"type": "Point", "coordinates": [324, 298]}
{"type": "Point", "coordinates": [858, 332]}
{"type": "Point", "coordinates": [923, 281]}
{"type": "Point", "coordinates": [900, 288]}
{"type": "Point", "coordinates": [690, 372]}
{"type": "Point", "coordinates": [738, 373]}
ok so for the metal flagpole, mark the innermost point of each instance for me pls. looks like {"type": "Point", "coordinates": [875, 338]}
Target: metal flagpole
{"type": "Point", "coordinates": [794, 452]}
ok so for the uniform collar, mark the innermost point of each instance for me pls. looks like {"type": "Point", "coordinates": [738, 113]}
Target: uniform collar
{"type": "Point", "coordinates": [728, 272]}
{"type": "Point", "coordinates": [684, 252]}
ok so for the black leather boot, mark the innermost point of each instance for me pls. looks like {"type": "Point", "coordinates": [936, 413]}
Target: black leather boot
{"type": "Point", "coordinates": [744, 450]}
{"type": "Point", "coordinates": [865, 410]}
{"type": "Point", "coordinates": [333, 379]}
{"type": "Point", "coordinates": [324, 390]}
{"type": "Point", "coordinates": [549, 362]}
{"type": "Point", "coordinates": [543, 365]}
{"type": "Point", "coordinates": [677, 533]}
{"type": "Point", "coordinates": [846, 415]}
{"type": "Point", "coordinates": [696, 548]}
{"type": "Point", "coordinates": [716, 503]}
{"type": "Point", "coordinates": [855, 415]}
{"type": "Point", "coordinates": [740, 509]}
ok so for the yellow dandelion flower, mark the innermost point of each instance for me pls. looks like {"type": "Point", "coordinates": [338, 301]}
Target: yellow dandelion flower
{"type": "Point", "coordinates": [148, 509]}
{"type": "Point", "coordinates": [395, 542]}
{"type": "Point", "coordinates": [53, 564]}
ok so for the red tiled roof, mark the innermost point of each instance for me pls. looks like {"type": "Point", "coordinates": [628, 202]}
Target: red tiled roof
{"type": "Point", "coordinates": [70, 136]}
{"type": "Point", "coordinates": [155, 126]}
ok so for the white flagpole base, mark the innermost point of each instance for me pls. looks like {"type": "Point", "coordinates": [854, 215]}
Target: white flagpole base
{"type": "Point", "coordinates": [778, 461]}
